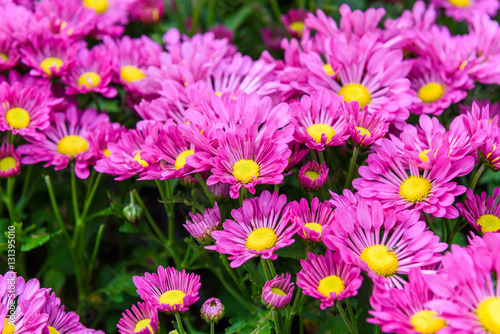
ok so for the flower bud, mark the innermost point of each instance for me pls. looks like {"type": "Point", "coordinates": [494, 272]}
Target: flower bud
{"type": "Point", "coordinates": [212, 310]}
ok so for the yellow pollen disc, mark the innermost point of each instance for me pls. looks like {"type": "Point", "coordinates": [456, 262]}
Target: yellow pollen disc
{"type": "Point", "coordinates": [356, 92]}
{"type": "Point", "coordinates": [463, 64]}
{"type": "Point", "coordinates": [63, 25]}
{"type": "Point", "coordinates": [51, 62]}
{"type": "Point", "coordinates": [426, 322]}
{"type": "Point", "coordinates": [328, 69]}
{"type": "Point", "coordinates": [278, 291]}
{"type": "Point", "coordinates": [8, 328]}
{"type": "Point", "coordinates": [181, 159]}
{"type": "Point", "coordinates": [72, 145]}
{"type": "Point", "coordinates": [488, 313]}
{"type": "Point", "coordinates": [423, 155]}
{"type": "Point", "coordinates": [311, 174]}
{"type": "Point", "coordinates": [172, 297]}
{"type": "Point", "coordinates": [218, 94]}
{"type": "Point", "coordinates": [100, 6]}
{"type": "Point", "coordinates": [317, 130]}
{"type": "Point", "coordinates": [52, 330]}
{"type": "Point", "coordinates": [8, 163]}
{"type": "Point", "coordinates": [246, 170]}
{"type": "Point", "coordinates": [137, 157]}
{"type": "Point", "coordinates": [18, 118]}
{"type": "Point", "coordinates": [155, 15]}
{"type": "Point", "coordinates": [297, 26]}
{"type": "Point", "coordinates": [381, 261]}
{"type": "Point", "coordinates": [89, 79]}
{"type": "Point", "coordinates": [131, 73]}
{"type": "Point", "coordinates": [314, 226]}
{"type": "Point", "coordinates": [3, 57]}
{"type": "Point", "coordinates": [459, 3]}
{"type": "Point", "coordinates": [415, 189]}
{"type": "Point", "coordinates": [488, 223]}
{"type": "Point", "coordinates": [144, 323]}
{"type": "Point", "coordinates": [431, 92]}
{"type": "Point", "coordinates": [261, 238]}
{"type": "Point", "coordinates": [363, 131]}
{"type": "Point", "coordinates": [331, 284]}
{"type": "Point", "coordinates": [106, 152]}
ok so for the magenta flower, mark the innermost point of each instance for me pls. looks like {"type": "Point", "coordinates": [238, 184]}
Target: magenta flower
{"type": "Point", "coordinates": [364, 128]}
{"type": "Point", "coordinates": [310, 221]}
{"type": "Point", "coordinates": [293, 21]}
{"type": "Point", "coordinates": [384, 243]}
{"type": "Point", "coordinates": [467, 10]}
{"type": "Point", "coordinates": [143, 319]}
{"type": "Point", "coordinates": [328, 278]}
{"type": "Point", "coordinates": [59, 321]}
{"type": "Point", "coordinates": [160, 110]}
{"type": "Point", "coordinates": [312, 176]}
{"type": "Point", "coordinates": [111, 15]}
{"type": "Point", "coordinates": [212, 310]}
{"type": "Point", "coordinates": [10, 161]}
{"type": "Point", "coordinates": [201, 226]}
{"type": "Point", "coordinates": [256, 230]}
{"type": "Point", "coordinates": [482, 213]}
{"type": "Point", "coordinates": [390, 179]}
{"type": "Point", "coordinates": [67, 140]}
{"type": "Point", "coordinates": [18, 22]}
{"type": "Point", "coordinates": [147, 11]}
{"type": "Point", "coordinates": [485, 32]}
{"type": "Point", "coordinates": [277, 293]}
{"type": "Point", "coordinates": [170, 291]}
{"type": "Point", "coordinates": [299, 151]}
{"type": "Point", "coordinates": [9, 52]}
{"type": "Point", "coordinates": [104, 134]}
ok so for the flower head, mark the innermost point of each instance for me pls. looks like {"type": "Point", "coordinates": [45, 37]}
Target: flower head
{"type": "Point", "coordinates": [482, 213]}
{"type": "Point", "coordinates": [147, 11]}
{"type": "Point", "coordinates": [294, 21]}
{"type": "Point", "coordinates": [203, 225]}
{"type": "Point", "coordinates": [312, 176]}
{"type": "Point", "coordinates": [364, 128]}
{"type": "Point", "coordinates": [277, 293]}
{"type": "Point", "coordinates": [10, 161]}
{"type": "Point", "coordinates": [60, 321]}
{"type": "Point", "coordinates": [212, 310]}
{"type": "Point", "coordinates": [310, 221]}
{"type": "Point", "coordinates": [143, 319]}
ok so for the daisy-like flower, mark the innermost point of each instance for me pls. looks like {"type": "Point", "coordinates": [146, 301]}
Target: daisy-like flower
{"type": "Point", "coordinates": [390, 179]}
{"type": "Point", "coordinates": [277, 293]}
{"type": "Point", "coordinates": [318, 120]}
{"type": "Point", "coordinates": [293, 21]}
{"type": "Point", "coordinates": [60, 321]}
{"type": "Point", "coordinates": [467, 10]}
{"type": "Point", "coordinates": [111, 15]}
{"type": "Point", "coordinates": [104, 134]}
{"type": "Point", "coordinates": [328, 278]}
{"type": "Point", "coordinates": [310, 221]}
{"type": "Point", "coordinates": [364, 128]}
{"type": "Point", "coordinates": [91, 73]}
{"type": "Point", "coordinates": [25, 110]}
{"type": "Point", "coordinates": [169, 290]}
{"type": "Point", "coordinates": [10, 161]}
{"type": "Point", "coordinates": [385, 243]}
{"type": "Point", "coordinates": [18, 22]}
{"type": "Point", "coordinates": [256, 230]}
{"type": "Point", "coordinates": [147, 11]}
{"type": "Point", "coordinates": [160, 110]}
{"type": "Point", "coordinates": [9, 54]}
{"type": "Point", "coordinates": [312, 176]}
{"type": "Point", "coordinates": [201, 226]}
{"type": "Point", "coordinates": [299, 151]}
{"type": "Point", "coordinates": [143, 319]}
{"type": "Point", "coordinates": [482, 213]}
{"type": "Point", "coordinates": [67, 140]}
{"type": "Point", "coordinates": [212, 310]}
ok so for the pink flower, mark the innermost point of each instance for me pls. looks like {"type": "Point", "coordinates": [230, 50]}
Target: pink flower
{"type": "Point", "coordinates": [10, 161]}
{"type": "Point", "coordinates": [482, 213]}
{"type": "Point", "coordinates": [212, 310]}
{"type": "Point", "coordinates": [310, 221]}
{"type": "Point", "coordinates": [467, 10]}
{"type": "Point", "coordinates": [111, 15]}
{"type": "Point", "coordinates": [277, 293]}
{"type": "Point", "coordinates": [203, 225]}
{"type": "Point", "coordinates": [364, 129]}
{"type": "Point", "coordinates": [147, 11]}
{"type": "Point", "coordinates": [293, 21]}
{"type": "Point", "coordinates": [312, 176]}
{"type": "Point", "coordinates": [59, 320]}
{"type": "Point", "coordinates": [143, 319]}
{"type": "Point", "coordinates": [9, 52]}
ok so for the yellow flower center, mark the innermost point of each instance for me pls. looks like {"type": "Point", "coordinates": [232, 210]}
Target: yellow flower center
{"type": "Point", "coordinates": [246, 170]}
{"type": "Point", "coordinates": [89, 79]}
{"type": "Point", "coordinates": [8, 163]}
{"type": "Point", "coordinates": [8, 328]}
{"type": "Point", "coordinates": [488, 313]}
{"type": "Point", "coordinates": [3, 57]}
{"type": "Point", "coordinates": [137, 157]}
{"type": "Point", "coordinates": [331, 284]}
{"type": "Point", "coordinates": [131, 73]}
{"type": "Point", "coordinates": [106, 152]}
{"type": "Point", "coordinates": [278, 291]}
{"type": "Point", "coordinates": [181, 159]}
{"type": "Point", "coordinates": [328, 69]}
{"type": "Point", "coordinates": [18, 118]}
{"type": "Point", "coordinates": [297, 26]}
{"type": "Point", "coordinates": [51, 62]}
{"type": "Point", "coordinates": [423, 155]}
{"type": "Point", "coordinates": [144, 323]}
{"type": "Point", "coordinates": [356, 92]}
{"type": "Point", "coordinates": [72, 145]}
{"type": "Point", "coordinates": [415, 189]}
{"type": "Point", "coordinates": [431, 92]}
{"type": "Point", "coordinates": [172, 297]}
{"type": "Point", "coordinates": [426, 322]}
{"type": "Point", "coordinates": [52, 330]}
{"type": "Point", "coordinates": [317, 130]}
{"type": "Point", "coordinates": [100, 6]}
{"type": "Point", "coordinates": [261, 238]}
{"type": "Point", "coordinates": [314, 226]}
{"type": "Point", "coordinates": [311, 174]}
{"type": "Point", "coordinates": [488, 223]}
{"type": "Point", "coordinates": [459, 3]}
{"type": "Point", "coordinates": [219, 94]}
{"type": "Point", "coordinates": [380, 260]}
{"type": "Point", "coordinates": [363, 131]}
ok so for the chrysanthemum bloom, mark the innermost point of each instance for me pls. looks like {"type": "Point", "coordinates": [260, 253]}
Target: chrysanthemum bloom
{"type": "Point", "coordinates": [482, 213]}
{"type": "Point", "coordinates": [171, 291]}
{"type": "Point", "coordinates": [59, 321]}
{"type": "Point", "coordinates": [390, 179]}
{"type": "Point", "coordinates": [67, 140]}
{"type": "Point", "coordinates": [26, 80]}
{"type": "Point", "coordinates": [405, 310]}
{"type": "Point", "coordinates": [25, 110]}
{"type": "Point", "coordinates": [9, 54]}
{"type": "Point", "coordinates": [256, 230]}
{"type": "Point", "coordinates": [277, 293]}
{"type": "Point", "coordinates": [160, 110]}
{"type": "Point", "coordinates": [29, 299]}
{"type": "Point", "coordinates": [310, 221]}
{"type": "Point", "coordinates": [299, 151]}
{"type": "Point", "coordinates": [328, 278]}
{"type": "Point", "coordinates": [245, 160]}
{"type": "Point", "coordinates": [364, 128]}
{"type": "Point", "coordinates": [91, 73]}
{"type": "Point", "coordinates": [10, 161]}
{"type": "Point", "coordinates": [467, 9]}
{"type": "Point", "coordinates": [384, 242]}
{"type": "Point", "coordinates": [18, 22]}
{"type": "Point", "coordinates": [104, 134]}
{"type": "Point", "coordinates": [143, 319]}
{"type": "Point", "coordinates": [50, 55]}
{"type": "Point", "coordinates": [312, 176]}
{"type": "Point", "coordinates": [293, 21]}
{"type": "Point", "coordinates": [318, 120]}
{"type": "Point", "coordinates": [111, 15]}
{"type": "Point", "coordinates": [212, 310]}
{"type": "Point", "coordinates": [202, 225]}
{"type": "Point", "coordinates": [147, 11]}
{"type": "Point", "coordinates": [486, 34]}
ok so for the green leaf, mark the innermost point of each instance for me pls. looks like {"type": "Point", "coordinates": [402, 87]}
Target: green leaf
{"type": "Point", "coordinates": [237, 19]}
{"type": "Point", "coordinates": [129, 228]}
{"type": "Point", "coordinates": [295, 250]}
{"type": "Point", "coordinates": [36, 239]}
{"type": "Point", "coordinates": [55, 279]}
{"type": "Point", "coordinates": [253, 323]}
{"type": "Point", "coordinates": [122, 282]}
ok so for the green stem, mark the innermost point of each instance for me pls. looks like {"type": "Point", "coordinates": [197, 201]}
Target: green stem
{"type": "Point", "coordinates": [210, 13]}
{"type": "Point", "coordinates": [159, 233]}
{"type": "Point", "coordinates": [26, 183]}
{"type": "Point", "coordinates": [229, 289]}
{"type": "Point", "coordinates": [476, 177]}
{"type": "Point", "coordinates": [96, 101]}
{"type": "Point", "coordinates": [232, 273]}
{"type": "Point", "coordinates": [207, 192]}
{"type": "Point", "coordinates": [266, 269]}
{"type": "Point", "coordinates": [166, 206]}
{"type": "Point", "coordinates": [179, 323]}
{"type": "Point", "coordinates": [352, 316]}
{"type": "Point", "coordinates": [55, 208]}
{"type": "Point", "coordinates": [90, 196]}
{"type": "Point", "coordinates": [301, 322]}
{"type": "Point", "coordinates": [212, 327]}
{"type": "Point", "coordinates": [344, 317]}
{"type": "Point", "coordinates": [195, 15]}
{"type": "Point", "coordinates": [94, 253]}
{"type": "Point", "coordinates": [170, 213]}
{"type": "Point", "coordinates": [74, 195]}
{"type": "Point", "coordinates": [271, 268]}
{"type": "Point", "coordinates": [290, 313]}
{"type": "Point", "coordinates": [276, 320]}
{"type": "Point", "coordinates": [322, 160]}
{"type": "Point", "coordinates": [429, 222]}
{"type": "Point", "coordinates": [352, 166]}
{"type": "Point", "coordinates": [10, 200]}
{"type": "Point", "coordinates": [448, 230]}
{"type": "Point", "coordinates": [276, 10]}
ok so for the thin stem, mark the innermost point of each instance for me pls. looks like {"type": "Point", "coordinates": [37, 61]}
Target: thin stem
{"type": "Point", "coordinates": [90, 197]}
{"type": "Point", "coordinates": [301, 322]}
{"type": "Point", "coordinates": [352, 166]}
{"type": "Point", "coordinates": [266, 269]}
{"type": "Point", "coordinates": [276, 320]}
{"type": "Point", "coordinates": [344, 317]}
{"type": "Point", "coordinates": [322, 160]}
{"type": "Point", "coordinates": [476, 177]}
{"type": "Point", "coordinates": [195, 14]}
{"type": "Point", "coordinates": [74, 196]}
{"type": "Point", "coordinates": [210, 13]}
{"type": "Point", "coordinates": [352, 315]}
{"type": "Point", "coordinates": [228, 287]}
{"type": "Point", "coordinates": [429, 222]}
{"type": "Point", "coordinates": [232, 273]}
{"type": "Point", "coordinates": [96, 101]}
{"type": "Point", "coordinates": [10, 199]}
{"type": "Point", "coordinates": [94, 252]}
{"type": "Point", "coordinates": [271, 268]}
{"type": "Point", "coordinates": [448, 230]}
{"type": "Point", "coordinates": [212, 327]}
{"type": "Point", "coordinates": [55, 208]}
{"type": "Point", "coordinates": [26, 183]}
{"type": "Point", "coordinates": [170, 213]}
{"type": "Point", "coordinates": [150, 219]}
{"type": "Point", "coordinates": [166, 205]}
{"type": "Point", "coordinates": [205, 188]}
{"type": "Point", "coordinates": [179, 323]}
